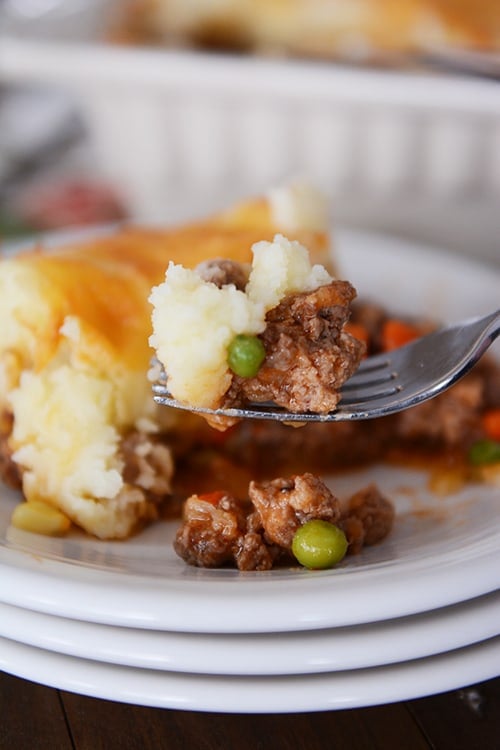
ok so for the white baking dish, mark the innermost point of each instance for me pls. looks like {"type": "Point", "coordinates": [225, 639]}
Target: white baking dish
{"type": "Point", "coordinates": [417, 154]}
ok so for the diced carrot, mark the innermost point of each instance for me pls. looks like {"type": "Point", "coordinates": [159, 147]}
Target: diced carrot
{"type": "Point", "coordinates": [358, 331]}
{"type": "Point", "coordinates": [396, 333]}
{"type": "Point", "coordinates": [212, 497]}
{"type": "Point", "coordinates": [491, 423]}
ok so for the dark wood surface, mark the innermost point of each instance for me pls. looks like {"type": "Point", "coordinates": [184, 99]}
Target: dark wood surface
{"type": "Point", "coordinates": [34, 717]}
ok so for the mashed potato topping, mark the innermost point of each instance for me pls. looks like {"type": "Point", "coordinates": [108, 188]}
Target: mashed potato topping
{"type": "Point", "coordinates": [70, 453]}
{"type": "Point", "coordinates": [281, 267]}
{"type": "Point", "coordinates": [194, 321]}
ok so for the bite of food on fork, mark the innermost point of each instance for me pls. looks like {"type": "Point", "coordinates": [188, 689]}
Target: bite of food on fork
{"type": "Point", "coordinates": [230, 335]}
{"type": "Point", "coordinates": [272, 340]}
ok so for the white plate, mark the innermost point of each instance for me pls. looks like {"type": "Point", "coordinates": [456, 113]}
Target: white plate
{"type": "Point", "coordinates": [442, 551]}
{"type": "Point", "coordinates": [285, 694]}
{"type": "Point", "coordinates": [305, 652]}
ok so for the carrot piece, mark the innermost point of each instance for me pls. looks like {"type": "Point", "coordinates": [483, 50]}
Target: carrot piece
{"type": "Point", "coordinates": [396, 333]}
{"type": "Point", "coordinates": [491, 423]}
{"type": "Point", "coordinates": [358, 331]}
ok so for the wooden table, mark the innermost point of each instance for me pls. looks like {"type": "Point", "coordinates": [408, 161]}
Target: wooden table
{"type": "Point", "coordinates": [34, 717]}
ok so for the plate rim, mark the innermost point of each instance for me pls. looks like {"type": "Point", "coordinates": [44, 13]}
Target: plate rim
{"type": "Point", "coordinates": [304, 652]}
{"type": "Point", "coordinates": [237, 694]}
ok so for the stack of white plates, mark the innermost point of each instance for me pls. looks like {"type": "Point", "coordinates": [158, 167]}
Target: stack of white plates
{"type": "Point", "coordinates": [415, 615]}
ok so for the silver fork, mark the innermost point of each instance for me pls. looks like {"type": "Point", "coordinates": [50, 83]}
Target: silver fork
{"type": "Point", "coordinates": [385, 383]}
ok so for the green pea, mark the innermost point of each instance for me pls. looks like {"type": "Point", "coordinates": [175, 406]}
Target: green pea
{"type": "Point", "coordinates": [484, 452]}
{"type": "Point", "coordinates": [319, 544]}
{"type": "Point", "coordinates": [245, 355]}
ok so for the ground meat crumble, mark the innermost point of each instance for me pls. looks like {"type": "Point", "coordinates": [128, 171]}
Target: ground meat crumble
{"type": "Point", "coordinates": [222, 271]}
{"type": "Point", "coordinates": [309, 355]}
{"type": "Point", "coordinates": [257, 534]}
{"type": "Point", "coordinates": [367, 519]}
{"type": "Point", "coordinates": [148, 471]}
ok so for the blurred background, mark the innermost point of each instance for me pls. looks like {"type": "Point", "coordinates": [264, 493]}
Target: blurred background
{"type": "Point", "coordinates": [163, 110]}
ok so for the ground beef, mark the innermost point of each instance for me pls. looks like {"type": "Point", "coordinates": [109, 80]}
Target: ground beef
{"type": "Point", "coordinates": [148, 464]}
{"type": "Point", "coordinates": [268, 448]}
{"type": "Point", "coordinates": [285, 504]}
{"type": "Point", "coordinates": [252, 553]}
{"type": "Point", "coordinates": [218, 530]}
{"type": "Point", "coordinates": [450, 419]}
{"type": "Point", "coordinates": [371, 317]}
{"type": "Point", "coordinates": [222, 271]}
{"type": "Point", "coordinates": [368, 518]}
{"type": "Point", "coordinates": [212, 532]}
{"type": "Point", "coordinates": [308, 354]}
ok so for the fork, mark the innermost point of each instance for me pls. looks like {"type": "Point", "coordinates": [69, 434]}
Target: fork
{"type": "Point", "coordinates": [383, 384]}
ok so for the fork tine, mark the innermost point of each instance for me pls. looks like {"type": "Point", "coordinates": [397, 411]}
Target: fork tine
{"type": "Point", "coordinates": [373, 364]}
{"type": "Point", "coordinates": [372, 373]}
{"type": "Point", "coordinates": [368, 380]}
{"type": "Point", "coordinates": [360, 396]}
